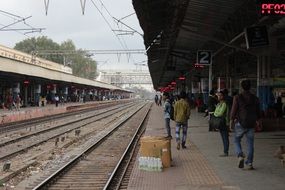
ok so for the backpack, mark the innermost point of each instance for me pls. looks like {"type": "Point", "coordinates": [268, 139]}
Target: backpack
{"type": "Point", "coordinates": [171, 110]}
{"type": "Point", "coordinates": [247, 115]}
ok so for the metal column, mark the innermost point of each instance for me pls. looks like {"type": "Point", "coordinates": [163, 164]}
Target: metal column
{"type": "Point", "coordinates": [210, 77]}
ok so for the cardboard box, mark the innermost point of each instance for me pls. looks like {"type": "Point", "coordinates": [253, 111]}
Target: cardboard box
{"type": "Point", "coordinates": [158, 147]}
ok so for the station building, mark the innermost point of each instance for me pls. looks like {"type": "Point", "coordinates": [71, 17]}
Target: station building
{"type": "Point", "coordinates": [35, 79]}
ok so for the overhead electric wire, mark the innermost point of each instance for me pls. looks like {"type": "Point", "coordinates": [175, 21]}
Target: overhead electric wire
{"type": "Point", "coordinates": [105, 8]}
{"type": "Point", "coordinates": [119, 21]}
{"type": "Point", "coordinates": [122, 42]}
{"type": "Point", "coordinates": [18, 19]}
{"type": "Point", "coordinates": [106, 21]}
{"type": "Point", "coordinates": [16, 31]}
{"type": "Point", "coordinates": [126, 47]}
{"type": "Point", "coordinates": [11, 14]}
{"type": "Point", "coordinates": [126, 16]}
{"type": "Point", "coordinates": [23, 19]}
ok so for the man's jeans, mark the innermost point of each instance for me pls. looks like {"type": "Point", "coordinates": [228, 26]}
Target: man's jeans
{"type": "Point", "coordinates": [249, 132]}
{"type": "Point", "coordinates": [167, 126]}
{"type": "Point", "coordinates": [177, 131]}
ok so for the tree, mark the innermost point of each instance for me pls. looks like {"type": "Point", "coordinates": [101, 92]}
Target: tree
{"type": "Point", "coordinates": [80, 62]}
{"type": "Point", "coordinates": [37, 45]}
{"type": "Point", "coordinates": [83, 65]}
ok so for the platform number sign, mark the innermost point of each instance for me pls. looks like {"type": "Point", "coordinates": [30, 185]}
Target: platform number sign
{"type": "Point", "coordinates": [204, 57]}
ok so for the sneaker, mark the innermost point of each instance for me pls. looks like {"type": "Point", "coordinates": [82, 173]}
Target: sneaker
{"type": "Point", "coordinates": [249, 167]}
{"type": "Point", "coordinates": [224, 155]}
{"type": "Point", "coordinates": [178, 146]}
{"type": "Point", "coordinates": [240, 162]}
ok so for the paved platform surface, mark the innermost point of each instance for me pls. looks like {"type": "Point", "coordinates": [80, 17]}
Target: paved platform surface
{"type": "Point", "coordinates": [199, 167]}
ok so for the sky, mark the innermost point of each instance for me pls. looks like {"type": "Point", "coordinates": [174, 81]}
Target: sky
{"type": "Point", "coordinates": [91, 31]}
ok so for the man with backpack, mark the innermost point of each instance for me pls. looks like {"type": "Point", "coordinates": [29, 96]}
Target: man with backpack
{"type": "Point", "coordinates": [245, 114]}
{"type": "Point", "coordinates": [168, 113]}
{"type": "Point", "coordinates": [181, 116]}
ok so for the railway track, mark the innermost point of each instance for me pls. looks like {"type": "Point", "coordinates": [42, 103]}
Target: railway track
{"type": "Point", "coordinates": [20, 144]}
{"type": "Point", "coordinates": [100, 162]}
{"type": "Point", "coordinates": [4, 128]}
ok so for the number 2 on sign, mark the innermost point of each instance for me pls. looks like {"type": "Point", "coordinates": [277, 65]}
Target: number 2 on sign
{"type": "Point", "coordinates": [205, 58]}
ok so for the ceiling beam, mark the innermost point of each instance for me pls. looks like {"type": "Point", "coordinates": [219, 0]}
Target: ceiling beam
{"type": "Point", "coordinates": [216, 40]}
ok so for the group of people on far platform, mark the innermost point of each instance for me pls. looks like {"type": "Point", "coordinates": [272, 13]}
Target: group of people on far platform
{"type": "Point", "coordinates": [240, 114]}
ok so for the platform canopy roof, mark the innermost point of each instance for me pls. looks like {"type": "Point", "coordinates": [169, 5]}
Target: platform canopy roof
{"type": "Point", "coordinates": [13, 62]}
{"type": "Point", "coordinates": [174, 30]}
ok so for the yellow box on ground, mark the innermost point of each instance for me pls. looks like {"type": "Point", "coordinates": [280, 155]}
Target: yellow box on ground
{"type": "Point", "coordinates": [158, 147]}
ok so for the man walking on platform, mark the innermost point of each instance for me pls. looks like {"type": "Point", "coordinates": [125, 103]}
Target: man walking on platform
{"type": "Point", "coordinates": [156, 99]}
{"type": "Point", "coordinates": [244, 116]}
{"type": "Point", "coordinates": [167, 111]}
{"type": "Point", "coordinates": [181, 116]}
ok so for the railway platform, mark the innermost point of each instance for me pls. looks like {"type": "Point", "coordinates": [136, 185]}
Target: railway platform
{"type": "Point", "coordinates": [199, 167]}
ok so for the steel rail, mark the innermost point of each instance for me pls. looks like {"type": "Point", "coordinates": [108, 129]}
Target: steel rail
{"type": "Point", "coordinates": [76, 159]}
{"type": "Point", "coordinates": [52, 137]}
{"type": "Point", "coordinates": [133, 143]}
{"type": "Point", "coordinates": [16, 125]}
{"type": "Point", "coordinates": [62, 125]}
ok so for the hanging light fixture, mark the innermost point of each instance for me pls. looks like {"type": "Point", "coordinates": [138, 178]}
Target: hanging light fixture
{"type": "Point", "coordinates": [26, 82]}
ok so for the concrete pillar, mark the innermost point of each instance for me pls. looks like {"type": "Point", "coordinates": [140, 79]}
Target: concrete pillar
{"type": "Point", "coordinates": [65, 93]}
{"type": "Point", "coordinates": [38, 90]}
{"type": "Point", "coordinates": [53, 91]}
{"type": "Point", "coordinates": [210, 77]}
{"type": "Point", "coordinates": [205, 89]}
{"type": "Point", "coordinates": [221, 83]}
{"type": "Point", "coordinates": [258, 77]}
{"type": "Point", "coordinates": [16, 89]}
{"type": "Point", "coordinates": [25, 95]}
{"type": "Point", "coordinates": [228, 74]}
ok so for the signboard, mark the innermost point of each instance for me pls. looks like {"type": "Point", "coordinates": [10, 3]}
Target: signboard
{"type": "Point", "coordinates": [204, 57]}
{"type": "Point", "coordinates": [272, 7]}
{"type": "Point", "coordinates": [256, 36]}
